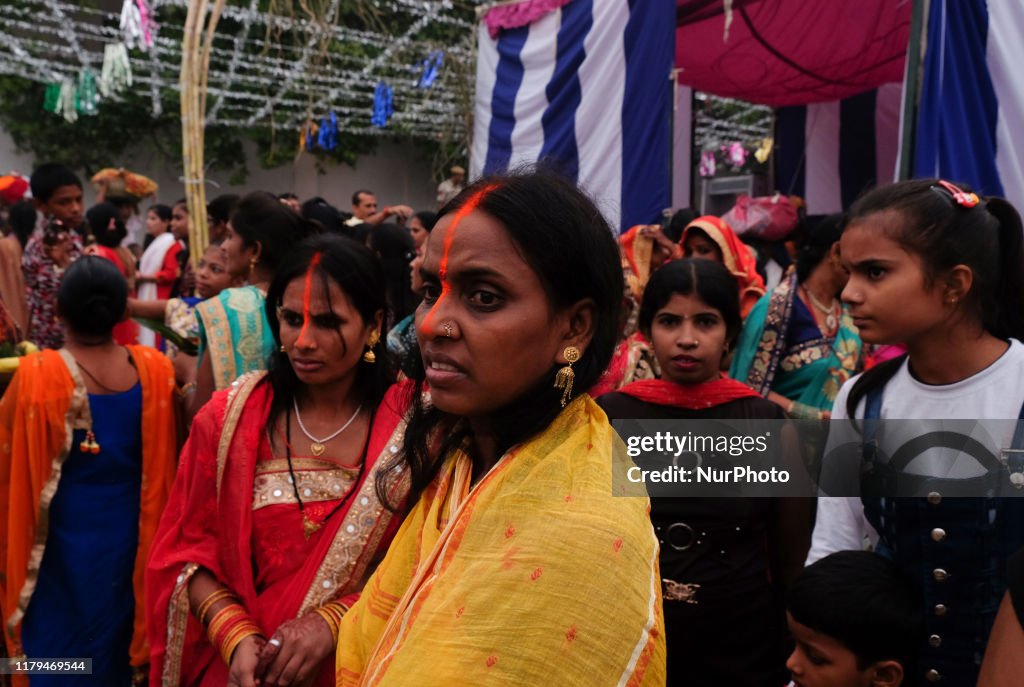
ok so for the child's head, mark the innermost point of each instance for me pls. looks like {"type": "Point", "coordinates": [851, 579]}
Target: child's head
{"type": "Point", "coordinates": [57, 193]}
{"type": "Point", "coordinates": [179, 220]}
{"type": "Point", "coordinates": [218, 214]}
{"type": "Point", "coordinates": [158, 219]}
{"type": "Point", "coordinates": [856, 620]}
{"type": "Point", "coordinates": [691, 314]}
{"type": "Point", "coordinates": [212, 274]}
{"type": "Point", "coordinates": [106, 225]}
{"type": "Point", "coordinates": [925, 255]}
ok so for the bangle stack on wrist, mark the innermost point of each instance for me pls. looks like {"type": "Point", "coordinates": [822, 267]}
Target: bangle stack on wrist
{"type": "Point", "coordinates": [208, 602]}
{"type": "Point", "coordinates": [229, 627]}
{"type": "Point", "coordinates": [332, 613]}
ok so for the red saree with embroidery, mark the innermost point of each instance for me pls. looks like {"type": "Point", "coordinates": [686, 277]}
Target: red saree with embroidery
{"type": "Point", "coordinates": [233, 512]}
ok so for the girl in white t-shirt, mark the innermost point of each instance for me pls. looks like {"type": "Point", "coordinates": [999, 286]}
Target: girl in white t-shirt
{"type": "Point", "coordinates": [941, 270]}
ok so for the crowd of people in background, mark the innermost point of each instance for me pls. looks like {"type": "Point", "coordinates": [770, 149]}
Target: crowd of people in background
{"type": "Point", "coordinates": [373, 446]}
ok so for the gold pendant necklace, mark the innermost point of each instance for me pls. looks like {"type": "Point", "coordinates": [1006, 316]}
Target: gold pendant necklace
{"type": "Point", "coordinates": [830, 318]}
{"type": "Point", "coordinates": [309, 527]}
{"type": "Point", "coordinates": [317, 447]}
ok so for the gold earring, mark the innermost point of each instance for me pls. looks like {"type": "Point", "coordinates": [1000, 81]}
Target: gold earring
{"type": "Point", "coordinates": [565, 376]}
{"type": "Point", "coordinates": [283, 349]}
{"type": "Point", "coordinates": [252, 263]}
{"type": "Point", "coordinates": [370, 356]}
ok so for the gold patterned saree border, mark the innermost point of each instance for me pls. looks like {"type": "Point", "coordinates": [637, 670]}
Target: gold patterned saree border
{"type": "Point", "coordinates": [78, 417]}
{"type": "Point", "coordinates": [237, 397]}
{"type": "Point", "coordinates": [223, 363]}
{"type": "Point", "coordinates": [177, 625]}
{"type": "Point", "coordinates": [364, 525]}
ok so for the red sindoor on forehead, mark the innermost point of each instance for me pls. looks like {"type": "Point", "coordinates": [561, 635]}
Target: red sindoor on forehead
{"type": "Point", "coordinates": [307, 294]}
{"type": "Point", "coordinates": [470, 205]}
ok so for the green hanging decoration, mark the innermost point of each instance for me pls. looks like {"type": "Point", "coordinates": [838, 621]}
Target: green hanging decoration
{"type": "Point", "coordinates": [51, 103]}
{"type": "Point", "coordinates": [86, 98]}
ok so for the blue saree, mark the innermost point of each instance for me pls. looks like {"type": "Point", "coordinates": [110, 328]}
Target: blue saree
{"type": "Point", "coordinates": [83, 604]}
{"type": "Point", "coordinates": [782, 349]}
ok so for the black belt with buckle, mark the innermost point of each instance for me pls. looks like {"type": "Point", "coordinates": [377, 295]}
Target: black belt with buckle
{"type": "Point", "coordinates": [682, 536]}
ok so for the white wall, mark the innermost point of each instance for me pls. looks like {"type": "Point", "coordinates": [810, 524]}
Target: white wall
{"type": "Point", "coordinates": [393, 173]}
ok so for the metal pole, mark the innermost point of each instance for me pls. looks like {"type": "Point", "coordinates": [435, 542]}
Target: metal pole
{"type": "Point", "coordinates": [912, 88]}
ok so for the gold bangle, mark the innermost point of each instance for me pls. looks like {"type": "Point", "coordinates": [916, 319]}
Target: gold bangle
{"type": "Point", "coordinates": [229, 627]}
{"type": "Point", "coordinates": [208, 602]}
{"type": "Point", "coordinates": [332, 614]}
{"type": "Point", "coordinates": [235, 638]}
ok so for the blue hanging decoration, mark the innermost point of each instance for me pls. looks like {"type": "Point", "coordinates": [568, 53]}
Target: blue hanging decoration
{"type": "Point", "coordinates": [430, 67]}
{"type": "Point", "coordinates": [382, 105]}
{"type": "Point", "coordinates": [327, 139]}
{"type": "Point", "coordinates": [311, 136]}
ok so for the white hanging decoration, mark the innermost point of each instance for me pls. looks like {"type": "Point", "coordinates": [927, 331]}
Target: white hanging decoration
{"type": "Point", "coordinates": [131, 24]}
{"type": "Point", "coordinates": [66, 102]}
{"type": "Point", "coordinates": [117, 69]}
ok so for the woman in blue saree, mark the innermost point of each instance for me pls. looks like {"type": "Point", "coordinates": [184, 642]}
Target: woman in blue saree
{"type": "Point", "coordinates": [798, 343]}
{"type": "Point", "coordinates": [87, 460]}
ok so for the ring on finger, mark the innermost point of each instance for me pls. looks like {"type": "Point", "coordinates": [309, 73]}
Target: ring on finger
{"type": "Point", "coordinates": [275, 641]}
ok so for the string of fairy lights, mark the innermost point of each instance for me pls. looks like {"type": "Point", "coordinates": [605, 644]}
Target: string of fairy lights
{"type": "Point", "coordinates": [265, 68]}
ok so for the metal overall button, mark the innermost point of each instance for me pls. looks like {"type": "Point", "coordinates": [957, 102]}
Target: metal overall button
{"type": "Point", "coordinates": [679, 536]}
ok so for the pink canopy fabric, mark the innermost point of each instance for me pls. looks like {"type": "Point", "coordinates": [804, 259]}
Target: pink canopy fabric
{"type": "Point", "coordinates": [514, 15]}
{"type": "Point", "coordinates": [791, 52]}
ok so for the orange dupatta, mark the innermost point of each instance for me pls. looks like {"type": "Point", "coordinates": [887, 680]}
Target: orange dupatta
{"type": "Point", "coordinates": [736, 255]}
{"type": "Point", "coordinates": [45, 403]}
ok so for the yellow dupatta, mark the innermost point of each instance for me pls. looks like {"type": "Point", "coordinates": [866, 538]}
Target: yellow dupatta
{"type": "Point", "coordinates": [537, 575]}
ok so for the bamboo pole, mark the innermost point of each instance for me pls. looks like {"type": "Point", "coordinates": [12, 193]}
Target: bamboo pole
{"type": "Point", "coordinates": [196, 45]}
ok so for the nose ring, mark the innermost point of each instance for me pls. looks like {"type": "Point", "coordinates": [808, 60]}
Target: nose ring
{"type": "Point", "coordinates": [447, 329]}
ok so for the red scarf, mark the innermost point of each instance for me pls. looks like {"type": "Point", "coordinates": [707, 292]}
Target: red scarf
{"type": "Point", "coordinates": [689, 396]}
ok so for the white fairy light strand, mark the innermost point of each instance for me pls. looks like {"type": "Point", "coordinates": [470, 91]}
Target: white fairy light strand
{"type": "Point", "coordinates": [298, 69]}
{"type": "Point", "coordinates": [236, 55]}
{"type": "Point", "coordinates": [420, 112]}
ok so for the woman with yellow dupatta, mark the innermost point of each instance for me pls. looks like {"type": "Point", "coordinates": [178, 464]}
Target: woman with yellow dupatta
{"type": "Point", "coordinates": [275, 522]}
{"type": "Point", "coordinates": [82, 486]}
{"type": "Point", "coordinates": [516, 565]}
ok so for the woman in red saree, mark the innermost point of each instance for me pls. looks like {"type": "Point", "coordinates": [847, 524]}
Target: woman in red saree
{"type": "Point", "coordinates": [711, 238]}
{"type": "Point", "coordinates": [644, 248]}
{"type": "Point", "coordinates": [275, 522]}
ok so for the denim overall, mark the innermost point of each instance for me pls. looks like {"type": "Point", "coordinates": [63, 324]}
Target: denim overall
{"type": "Point", "coordinates": [955, 548]}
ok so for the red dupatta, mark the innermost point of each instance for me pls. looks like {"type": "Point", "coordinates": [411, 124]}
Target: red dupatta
{"type": "Point", "coordinates": [208, 523]}
{"type": "Point", "coordinates": [736, 255]}
{"type": "Point", "coordinates": [126, 332]}
{"type": "Point", "coordinates": [689, 396]}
